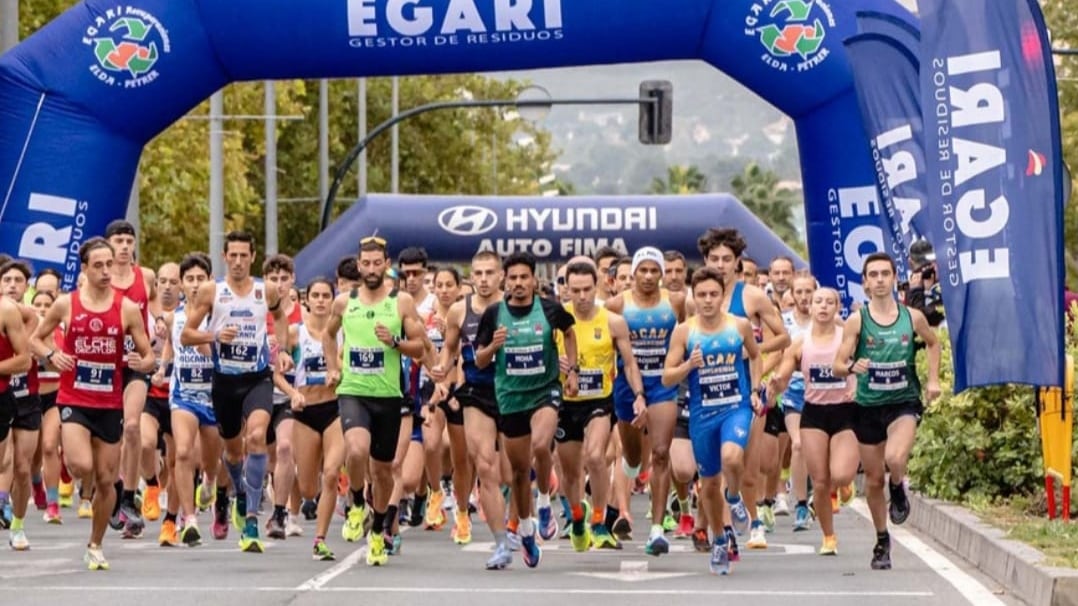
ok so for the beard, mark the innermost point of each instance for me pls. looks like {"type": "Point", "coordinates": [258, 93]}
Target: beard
{"type": "Point", "coordinates": [374, 281]}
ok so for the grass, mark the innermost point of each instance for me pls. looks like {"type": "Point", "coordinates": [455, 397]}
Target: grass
{"type": "Point", "coordinates": [1056, 539]}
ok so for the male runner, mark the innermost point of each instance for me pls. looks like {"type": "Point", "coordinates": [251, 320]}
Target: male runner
{"type": "Point", "coordinates": [877, 346]}
{"type": "Point", "coordinates": [517, 337]}
{"type": "Point", "coordinates": [91, 362]}
{"type": "Point", "coordinates": [15, 358]}
{"type": "Point", "coordinates": [237, 307]}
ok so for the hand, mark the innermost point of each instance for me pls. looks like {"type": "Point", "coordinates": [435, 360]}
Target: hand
{"type": "Point", "coordinates": [915, 280]}
{"type": "Point", "coordinates": [228, 334]}
{"type": "Point", "coordinates": [572, 385]}
{"type": "Point", "coordinates": [139, 363]}
{"type": "Point", "coordinates": [285, 363]}
{"type": "Point", "coordinates": [640, 412]}
{"type": "Point", "coordinates": [333, 377]}
{"type": "Point", "coordinates": [299, 402]}
{"type": "Point", "coordinates": [438, 373]}
{"type": "Point", "coordinates": [697, 357]}
{"type": "Point", "coordinates": [932, 391]}
{"type": "Point", "coordinates": [860, 367]}
{"type": "Point", "coordinates": [63, 362]}
{"type": "Point", "coordinates": [499, 337]}
{"type": "Point", "coordinates": [439, 324]}
{"type": "Point", "coordinates": [441, 392]}
{"type": "Point", "coordinates": [382, 334]}
{"type": "Point", "coordinates": [454, 405]}
{"type": "Point", "coordinates": [158, 378]}
{"type": "Point", "coordinates": [757, 405]}
{"type": "Point", "coordinates": [564, 365]}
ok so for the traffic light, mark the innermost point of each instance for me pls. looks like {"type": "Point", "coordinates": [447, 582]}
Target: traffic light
{"type": "Point", "coordinates": [656, 118]}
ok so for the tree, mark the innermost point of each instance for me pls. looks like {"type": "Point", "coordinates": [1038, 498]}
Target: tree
{"type": "Point", "coordinates": [680, 180]}
{"type": "Point", "coordinates": [1063, 23]}
{"type": "Point", "coordinates": [758, 189]}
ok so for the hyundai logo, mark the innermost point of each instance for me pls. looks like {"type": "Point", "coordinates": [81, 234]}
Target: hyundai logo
{"type": "Point", "coordinates": [467, 220]}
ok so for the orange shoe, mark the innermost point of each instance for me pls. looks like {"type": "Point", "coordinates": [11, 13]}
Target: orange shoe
{"type": "Point", "coordinates": [169, 536]}
{"type": "Point", "coordinates": [151, 503]}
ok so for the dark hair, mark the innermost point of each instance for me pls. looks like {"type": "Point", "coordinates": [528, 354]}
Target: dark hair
{"type": "Point", "coordinates": [483, 255]}
{"type": "Point", "coordinates": [449, 270]}
{"type": "Point", "coordinates": [4, 258]}
{"type": "Point", "coordinates": [373, 245]}
{"type": "Point", "coordinates": [673, 255]}
{"type": "Point", "coordinates": [411, 256]}
{"type": "Point", "coordinates": [322, 280]}
{"type": "Point", "coordinates": [21, 266]}
{"type": "Point", "coordinates": [581, 268]}
{"type": "Point", "coordinates": [46, 293]}
{"type": "Point", "coordinates": [707, 273]}
{"type": "Point", "coordinates": [716, 237]}
{"type": "Point", "coordinates": [520, 258]}
{"type": "Point", "coordinates": [193, 260]}
{"type": "Point", "coordinates": [877, 256]}
{"type": "Point", "coordinates": [793, 266]}
{"type": "Point", "coordinates": [240, 236]}
{"type": "Point", "coordinates": [91, 245]}
{"type": "Point", "coordinates": [278, 263]}
{"type": "Point", "coordinates": [348, 269]}
{"type": "Point", "coordinates": [607, 252]}
{"type": "Point", "coordinates": [48, 271]}
{"type": "Point", "coordinates": [621, 261]}
{"type": "Point", "coordinates": [119, 227]}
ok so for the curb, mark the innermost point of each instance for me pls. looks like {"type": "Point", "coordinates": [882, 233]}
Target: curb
{"type": "Point", "coordinates": [1014, 565]}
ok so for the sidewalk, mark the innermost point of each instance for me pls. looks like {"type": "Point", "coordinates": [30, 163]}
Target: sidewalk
{"type": "Point", "coordinates": [1014, 565]}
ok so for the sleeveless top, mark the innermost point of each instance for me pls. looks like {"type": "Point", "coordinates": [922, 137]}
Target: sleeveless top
{"type": "Point", "coordinates": [96, 340]}
{"type": "Point", "coordinates": [596, 355]}
{"type": "Point", "coordinates": [821, 386]}
{"type": "Point", "coordinates": [249, 352]}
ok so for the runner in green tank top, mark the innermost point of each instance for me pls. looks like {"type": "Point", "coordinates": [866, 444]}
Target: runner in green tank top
{"type": "Point", "coordinates": [517, 336]}
{"type": "Point", "coordinates": [877, 346]}
{"type": "Point", "coordinates": [374, 318]}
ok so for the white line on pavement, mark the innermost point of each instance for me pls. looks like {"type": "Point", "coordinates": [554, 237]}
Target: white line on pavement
{"type": "Point", "coordinates": [320, 580]}
{"type": "Point", "coordinates": [970, 588]}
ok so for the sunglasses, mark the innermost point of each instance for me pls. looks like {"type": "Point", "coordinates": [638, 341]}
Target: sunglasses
{"type": "Point", "coordinates": [375, 239]}
{"type": "Point", "coordinates": [413, 273]}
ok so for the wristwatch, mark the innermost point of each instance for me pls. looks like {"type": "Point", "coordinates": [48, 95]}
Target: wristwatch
{"type": "Point", "coordinates": [573, 369]}
{"type": "Point", "coordinates": [849, 369]}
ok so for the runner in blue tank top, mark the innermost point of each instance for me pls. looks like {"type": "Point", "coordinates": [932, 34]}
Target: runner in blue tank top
{"type": "Point", "coordinates": [651, 313]}
{"type": "Point", "coordinates": [723, 250]}
{"type": "Point", "coordinates": [716, 351]}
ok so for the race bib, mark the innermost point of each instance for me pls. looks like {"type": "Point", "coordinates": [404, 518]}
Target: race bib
{"type": "Point", "coordinates": [823, 377]}
{"type": "Point", "coordinates": [367, 360]}
{"type": "Point", "coordinates": [238, 356]}
{"type": "Point", "coordinates": [316, 370]}
{"type": "Point", "coordinates": [94, 376]}
{"type": "Point", "coordinates": [524, 361]}
{"type": "Point", "coordinates": [20, 386]}
{"type": "Point", "coordinates": [589, 382]}
{"type": "Point", "coordinates": [196, 377]}
{"type": "Point", "coordinates": [650, 360]}
{"type": "Point", "coordinates": [720, 389]}
{"type": "Point", "coordinates": [888, 376]}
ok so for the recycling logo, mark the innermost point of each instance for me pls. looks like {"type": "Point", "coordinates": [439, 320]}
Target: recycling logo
{"type": "Point", "coordinates": [128, 43]}
{"type": "Point", "coordinates": [792, 32]}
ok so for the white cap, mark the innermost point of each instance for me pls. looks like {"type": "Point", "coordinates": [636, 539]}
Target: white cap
{"type": "Point", "coordinates": [649, 253]}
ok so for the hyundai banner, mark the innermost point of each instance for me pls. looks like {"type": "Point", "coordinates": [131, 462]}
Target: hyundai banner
{"type": "Point", "coordinates": [453, 228]}
{"type": "Point", "coordinates": [995, 183]}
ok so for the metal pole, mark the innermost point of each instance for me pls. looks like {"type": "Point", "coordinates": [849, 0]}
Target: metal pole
{"type": "Point", "coordinates": [494, 158]}
{"type": "Point", "coordinates": [133, 205]}
{"type": "Point", "coordinates": [271, 168]}
{"type": "Point", "coordinates": [394, 183]}
{"type": "Point", "coordinates": [323, 138]}
{"type": "Point", "coordinates": [217, 183]}
{"type": "Point", "coordinates": [362, 135]}
{"type": "Point", "coordinates": [9, 24]}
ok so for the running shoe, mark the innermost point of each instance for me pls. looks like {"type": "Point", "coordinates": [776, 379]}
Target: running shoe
{"type": "Point", "coordinates": [190, 535]}
{"type": "Point", "coordinates": [757, 537]}
{"type": "Point", "coordinates": [435, 516]}
{"type": "Point", "coordinates": [739, 515]}
{"type": "Point", "coordinates": [801, 518]}
{"type": "Point", "coordinates": [86, 510]}
{"type": "Point", "coordinates": [657, 545]}
{"type": "Point", "coordinates": [249, 540]}
{"type": "Point", "coordinates": [548, 526]}
{"type": "Point", "coordinates": [531, 551]}
{"type": "Point", "coordinates": [462, 529]}
{"type": "Point", "coordinates": [685, 526]}
{"type": "Point", "coordinates": [40, 500]}
{"type": "Point", "coordinates": [95, 558]}
{"type": "Point", "coordinates": [376, 549]}
{"type": "Point", "coordinates": [881, 556]}
{"type": "Point", "coordinates": [220, 520]}
{"type": "Point", "coordinates": [322, 553]}
{"type": "Point", "coordinates": [169, 536]}
{"type": "Point", "coordinates": [766, 514]}
{"type": "Point", "coordinates": [700, 541]}
{"type": "Point", "coordinates": [829, 546]}
{"type": "Point", "coordinates": [602, 539]}
{"type": "Point", "coordinates": [900, 504]}
{"type": "Point", "coordinates": [52, 514]}
{"type": "Point", "coordinates": [623, 529]}
{"type": "Point", "coordinates": [151, 503]}
{"type": "Point", "coordinates": [292, 526]}
{"type": "Point", "coordinates": [275, 528]}
{"type": "Point", "coordinates": [502, 558]}
{"type": "Point", "coordinates": [782, 505]}
{"type": "Point", "coordinates": [352, 530]}
{"type": "Point", "coordinates": [18, 540]}
{"type": "Point", "coordinates": [720, 559]}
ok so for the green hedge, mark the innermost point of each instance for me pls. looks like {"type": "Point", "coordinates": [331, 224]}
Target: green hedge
{"type": "Point", "coordinates": [981, 445]}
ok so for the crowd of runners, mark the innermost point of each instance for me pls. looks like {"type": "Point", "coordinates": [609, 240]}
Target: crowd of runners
{"type": "Point", "coordinates": [404, 392]}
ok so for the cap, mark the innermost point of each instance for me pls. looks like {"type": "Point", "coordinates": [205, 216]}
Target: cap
{"type": "Point", "coordinates": [119, 226]}
{"type": "Point", "coordinates": [648, 253]}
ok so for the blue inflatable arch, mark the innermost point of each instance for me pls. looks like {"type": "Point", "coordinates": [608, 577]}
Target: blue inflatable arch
{"type": "Point", "coordinates": [82, 96]}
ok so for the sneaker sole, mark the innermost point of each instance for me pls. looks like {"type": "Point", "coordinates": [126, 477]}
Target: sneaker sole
{"type": "Point", "coordinates": [253, 547]}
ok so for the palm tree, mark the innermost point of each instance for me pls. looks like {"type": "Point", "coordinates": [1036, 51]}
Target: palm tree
{"type": "Point", "coordinates": [758, 189]}
{"type": "Point", "coordinates": [679, 180]}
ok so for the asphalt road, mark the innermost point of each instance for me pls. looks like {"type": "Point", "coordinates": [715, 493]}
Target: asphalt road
{"type": "Point", "coordinates": [215, 573]}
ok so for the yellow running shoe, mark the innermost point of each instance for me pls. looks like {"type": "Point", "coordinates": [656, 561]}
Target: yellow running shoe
{"type": "Point", "coordinates": [86, 509]}
{"type": "Point", "coordinates": [95, 558]}
{"type": "Point", "coordinates": [830, 546]}
{"type": "Point", "coordinates": [249, 540]}
{"type": "Point", "coordinates": [151, 503]}
{"type": "Point", "coordinates": [352, 530]}
{"type": "Point", "coordinates": [169, 536]}
{"type": "Point", "coordinates": [462, 530]}
{"type": "Point", "coordinates": [66, 491]}
{"type": "Point", "coordinates": [376, 549]}
{"type": "Point", "coordinates": [846, 494]}
{"type": "Point", "coordinates": [435, 518]}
